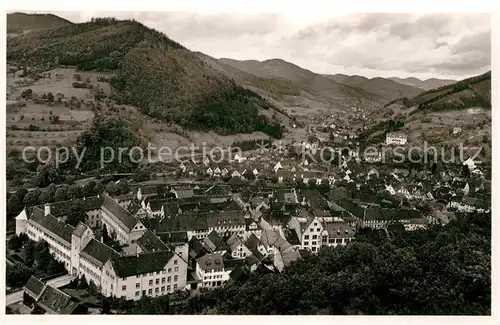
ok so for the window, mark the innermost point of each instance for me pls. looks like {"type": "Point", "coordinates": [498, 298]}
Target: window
{"type": "Point", "coordinates": [175, 262]}
{"type": "Point", "coordinates": [162, 289]}
{"type": "Point", "coordinates": [315, 243]}
{"type": "Point", "coordinates": [150, 291]}
{"type": "Point", "coordinates": [150, 282]}
{"type": "Point", "coordinates": [168, 288]}
{"type": "Point", "coordinates": [162, 280]}
{"type": "Point", "coordinates": [137, 293]}
{"type": "Point", "coordinates": [338, 240]}
{"type": "Point", "coordinates": [157, 290]}
{"type": "Point", "coordinates": [169, 279]}
{"type": "Point", "coordinates": [176, 269]}
{"type": "Point", "coordinates": [306, 243]}
{"type": "Point", "coordinates": [111, 286]}
{"type": "Point", "coordinates": [175, 278]}
{"type": "Point", "coordinates": [324, 239]}
{"type": "Point", "coordinates": [315, 236]}
{"type": "Point", "coordinates": [157, 281]}
{"type": "Point", "coordinates": [314, 249]}
{"type": "Point", "coordinates": [319, 229]}
{"type": "Point", "coordinates": [175, 287]}
{"type": "Point", "coordinates": [163, 271]}
{"type": "Point", "coordinates": [169, 270]}
{"type": "Point", "coordinates": [180, 254]}
{"type": "Point", "coordinates": [137, 285]}
{"type": "Point", "coordinates": [315, 224]}
{"type": "Point", "coordinates": [138, 276]}
{"type": "Point", "coordinates": [306, 237]}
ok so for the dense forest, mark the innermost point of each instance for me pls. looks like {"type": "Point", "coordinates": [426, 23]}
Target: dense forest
{"type": "Point", "coordinates": [444, 270]}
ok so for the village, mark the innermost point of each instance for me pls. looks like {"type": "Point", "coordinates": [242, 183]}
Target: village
{"type": "Point", "coordinates": [197, 226]}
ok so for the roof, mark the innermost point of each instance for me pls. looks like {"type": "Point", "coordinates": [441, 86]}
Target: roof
{"type": "Point", "coordinates": [54, 225]}
{"type": "Point", "coordinates": [126, 266]}
{"type": "Point", "coordinates": [55, 301]}
{"type": "Point", "coordinates": [215, 242]}
{"type": "Point", "coordinates": [118, 212]}
{"type": "Point", "coordinates": [272, 237]}
{"type": "Point", "coordinates": [195, 247]}
{"type": "Point", "coordinates": [34, 286]}
{"type": "Point", "coordinates": [252, 242]}
{"type": "Point", "coordinates": [174, 237]}
{"type": "Point", "coordinates": [211, 261]}
{"type": "Point", "coordinates": [80, 229]}
{"type": "Point", "coordinates": [291, 237]}
{"type": "Point", "coordinates": [148, 190]}
{"type": "Point", "coordinates": [99, 251]}
{"type": "Point", "coordinates": [183, 222]}
{"type": "Point", "coordinates": [226, 218]}
{"type": "Point", "coordinates": [339, 229]}
{"type": "Point", "coordinates": [149, 242]}
{"type": "Point", "coordinates": [239, 274]}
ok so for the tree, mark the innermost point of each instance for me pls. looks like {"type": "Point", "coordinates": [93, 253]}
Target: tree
{"type": "Point", "coordinates": [46, 197]}
{"type": "Point", "coordinates": [16, 242]}
{"type": "Point", "coordinates": [112, 189]}
{"type": "Point", "coordinates": [14, 205]}
{"type": "Point", "coordinates": [74, 192]}
{"type": "Point", "coordinates": [47, 174]}
{"type": "Point", "coordinates": [106, 307]}
{"type": "Point", "coordinates": [99, 188]}
{"type": "Point", "coordinates": [18, 274]}
{"type": "Point", "coordinates": [27, 94]}
{"type": "Point", "coordinates": [61, 193]}
{"type": "Point", "coordinates": [123, 187]}
{"type": "Point", "coordinates": [89, 188]}
{"type": "Point", "coordinates": [42, 256]}
{"type": "Point", "coordinates": [76, 214]}
{"type": "Point", "coordinates": [32, 197]}
{"type": "Point", "coordinates": [54, 267]}
{"type": "Point", "coordinates": [29, 253]}
{"type": "Point", "coordinates": [82, 283]}
{"type": "Point", "coordinates": [105, 235]}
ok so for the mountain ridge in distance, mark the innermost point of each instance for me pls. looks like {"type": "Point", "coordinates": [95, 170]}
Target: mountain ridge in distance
{"type": "Point", "coordinates": [426, 84]}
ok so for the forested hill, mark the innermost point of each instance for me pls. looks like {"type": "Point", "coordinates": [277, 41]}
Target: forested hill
{"type": "Point", "coordinates": [470, 92]}
{"type": "Point", "coordinates": [440, 271]}
{"type": "Point", "coordinates": [158, 75]}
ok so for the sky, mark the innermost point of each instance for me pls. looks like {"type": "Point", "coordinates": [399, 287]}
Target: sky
{"type": "Point", "coordinates": [448, 45]}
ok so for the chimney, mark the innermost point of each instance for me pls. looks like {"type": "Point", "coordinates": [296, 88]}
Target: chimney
{"type": "Point", "coordinates": [47, 209]}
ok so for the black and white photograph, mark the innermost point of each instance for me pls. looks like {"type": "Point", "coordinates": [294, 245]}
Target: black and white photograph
{"type": "Point", "coordinates": [222, 162]}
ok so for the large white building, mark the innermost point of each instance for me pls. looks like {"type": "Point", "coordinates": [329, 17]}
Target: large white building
{"type": "Point", "coordinates": [398, 138]}
{"type": "Point", "coordinates": [153, 268]}
{"type": "Point", "coordinates": [316, 232]}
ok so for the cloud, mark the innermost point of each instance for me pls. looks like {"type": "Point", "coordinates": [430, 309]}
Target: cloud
{"type": "Point", "coordinates": [375, 44]}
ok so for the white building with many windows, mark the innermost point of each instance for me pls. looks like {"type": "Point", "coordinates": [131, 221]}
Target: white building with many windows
{"type": "Point", "coordinates": [397, 138]}
{"type": "Point", "coordinates": [155, 269]}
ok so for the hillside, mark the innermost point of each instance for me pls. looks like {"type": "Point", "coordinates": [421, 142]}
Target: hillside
{"type": "Point", "coordinates": [427, 84]}
{"type": "Point", "coordinates": [386, 88]}
{"type": "Point", "coordinates": [470, 92]}
{"type": "Point", "coordinates": [296, 86]}
{"type": "Point", "coordinates": [433, 115]}
{"type": "Point", "coordinates": [152, 72]}
{"type": "Point", "coordinates": [19, 22]}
